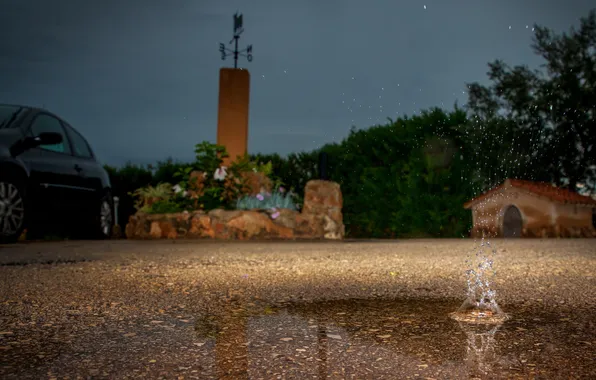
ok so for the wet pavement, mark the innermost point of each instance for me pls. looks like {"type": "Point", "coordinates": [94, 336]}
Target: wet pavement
{"type": "Point", "coordinates": [348, 310]}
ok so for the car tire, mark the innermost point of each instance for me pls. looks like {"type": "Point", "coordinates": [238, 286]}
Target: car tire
{"type": "Point", "coordinates": [12, 211]}
{"type": "Point", "coordinates": [104, 221]}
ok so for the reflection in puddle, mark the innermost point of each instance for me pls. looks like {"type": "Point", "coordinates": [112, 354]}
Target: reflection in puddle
{"type": "Point", "coordinates": [377, 339]}
{"type": "Point", "coordinates": [480, 353]}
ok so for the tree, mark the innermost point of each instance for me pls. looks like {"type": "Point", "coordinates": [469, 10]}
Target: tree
{"type": "Point", "coordinates": [546, 116]}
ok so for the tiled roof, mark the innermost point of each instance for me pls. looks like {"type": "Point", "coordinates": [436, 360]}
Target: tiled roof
{"type": "Point", "coordinates": [539, 188]}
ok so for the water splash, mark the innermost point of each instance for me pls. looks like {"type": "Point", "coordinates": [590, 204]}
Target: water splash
{"type": "Point", "coordinates": [480, 305]}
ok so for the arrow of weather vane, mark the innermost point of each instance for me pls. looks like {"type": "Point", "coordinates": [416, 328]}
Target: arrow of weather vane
{"type": "Point", "coordinates": [225, 52]}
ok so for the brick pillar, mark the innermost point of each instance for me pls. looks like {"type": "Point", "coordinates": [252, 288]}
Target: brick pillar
{"type": "Point", "coordinates": [232, 115]}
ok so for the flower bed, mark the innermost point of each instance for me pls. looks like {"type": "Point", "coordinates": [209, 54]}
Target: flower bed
{"type": "Point", "coordinates": [320, 218]}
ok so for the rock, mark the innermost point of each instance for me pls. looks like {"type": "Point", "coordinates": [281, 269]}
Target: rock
{"type": "Point", "coordinates": [321, 218]}
{"type": "Point", "coordinates": [224, 215]}
{"type": "Point", "coordinates": [332, 230]}
{"type": "Point", "coordinates": [309, 226]}
{"type": "Point", "coordinates": [324, 198]}
{"type": "Point", "coordinates": [321, 195]}
{"type": "Point", "coordinates": [200, 226]}
{"type": "Point", "coordinates": [155, 230]}
{"type": "Point", "coordinates": [255, 224]}
{"type": "Point", "coordinates": [134, 226]}
{"type": "Point", "coordinates": [286, 218]}
{"type": "Point", "coordinates": [217, 224]}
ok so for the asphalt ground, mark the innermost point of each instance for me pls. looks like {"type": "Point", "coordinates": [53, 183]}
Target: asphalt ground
{"type": "Point", "coordinates": [293, 310]}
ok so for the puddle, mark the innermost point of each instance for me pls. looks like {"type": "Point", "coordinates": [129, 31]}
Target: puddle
{"type": "Point", "coordinates": [395, 339]}
{"type": "Point", "coordinates": [44, 262]}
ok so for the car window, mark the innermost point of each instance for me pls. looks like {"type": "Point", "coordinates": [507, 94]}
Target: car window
{"type": "Point", "coordinates": [8, 114]}
{"type": "Point", "coordinates": [47, 123]}
{"type": "Point", "coordinates": [79, 144]}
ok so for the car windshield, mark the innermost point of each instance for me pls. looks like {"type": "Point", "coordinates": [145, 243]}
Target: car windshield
{"type": "Point", "coordinates": [8, 114]}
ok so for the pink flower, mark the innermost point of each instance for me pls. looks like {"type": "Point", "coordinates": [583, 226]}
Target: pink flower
{"type": "Point", "coordinates": [281, 189]}
{"type": "Point", "coordinates": [275, 215]}
{"type": "Point", "coordinates": [260, 197]}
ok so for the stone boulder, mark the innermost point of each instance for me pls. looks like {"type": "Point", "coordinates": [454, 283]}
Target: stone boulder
{"type": "Point", "coordinates": [323, 199]}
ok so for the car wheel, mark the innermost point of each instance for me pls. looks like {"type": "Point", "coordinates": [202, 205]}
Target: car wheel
{"type": "Point", "coordinates": [105, 220]}
{"type": "Point", "coordinates": [12, 211]}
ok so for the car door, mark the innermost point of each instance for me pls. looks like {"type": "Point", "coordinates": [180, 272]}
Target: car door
{"type": "Point", "coordinates": [88, 169]}
{"type": "Point", "coordinates": [54, 180]}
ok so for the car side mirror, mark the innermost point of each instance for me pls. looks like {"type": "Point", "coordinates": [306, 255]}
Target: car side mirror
{"type": "Point", "coordinates": [47, 138]}
{"type": "Point", "coordinates": [44, 138]}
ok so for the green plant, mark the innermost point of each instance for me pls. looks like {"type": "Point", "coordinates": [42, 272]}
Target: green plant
{"type": "Point", "coordinates": [164, 206]}
{"type": "Point", "coordinates": [183, 174]}
{"type": "Point", "coordinates": [164, 171]}
{"type": "Point", "coordinates": [150, 194]}
{"type": "Point", "coordinates": [209, 156]}
{"type": "Point", "coordinates": [266, 169]}
{"type": "Point", "coordinates": [212, 199]}
{"type": "Point", "coordinates": [243, 164]}
{"type": "Point", "coordinates": [277, 200]}
{"type": "Point", "coordinates": [246, 164]}
{"type": "Point", "coordinates": [221, 186]}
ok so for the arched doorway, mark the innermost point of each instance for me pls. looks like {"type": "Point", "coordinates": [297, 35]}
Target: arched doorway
{"type": "Point", "coordinates": [512, 222]}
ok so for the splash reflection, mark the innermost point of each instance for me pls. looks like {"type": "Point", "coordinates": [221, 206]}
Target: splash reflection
{"type": "Point", "coordinates": [480, 352]}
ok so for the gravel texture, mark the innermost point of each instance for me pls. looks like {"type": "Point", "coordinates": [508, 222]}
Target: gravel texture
{"type": "Point", "coordinates": [292, 310]}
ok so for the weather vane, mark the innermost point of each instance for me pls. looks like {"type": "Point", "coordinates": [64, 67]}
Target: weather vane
{"type": "Point", "coordinates": [225, 52]}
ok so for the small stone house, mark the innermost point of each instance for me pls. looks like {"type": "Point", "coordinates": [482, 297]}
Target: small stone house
{"type": "Point", "coordinates": [520, 208]}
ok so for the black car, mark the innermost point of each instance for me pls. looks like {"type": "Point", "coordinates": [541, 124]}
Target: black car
{"type": "Point", "coordinates": [49, 175]}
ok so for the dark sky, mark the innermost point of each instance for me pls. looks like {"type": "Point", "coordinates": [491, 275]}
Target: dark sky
{"type": "Point", "coordinates": [139, 78]}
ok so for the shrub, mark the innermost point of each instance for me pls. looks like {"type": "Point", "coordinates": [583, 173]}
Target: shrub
{"type": "Point", "coordinates": [165, 206]}
{"type": "Point", "coordinates": [277, 200]}
{"type": "Point", "coordinates": [204, 184]}
{"type": "Point", "coordinates": [148, 195]}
